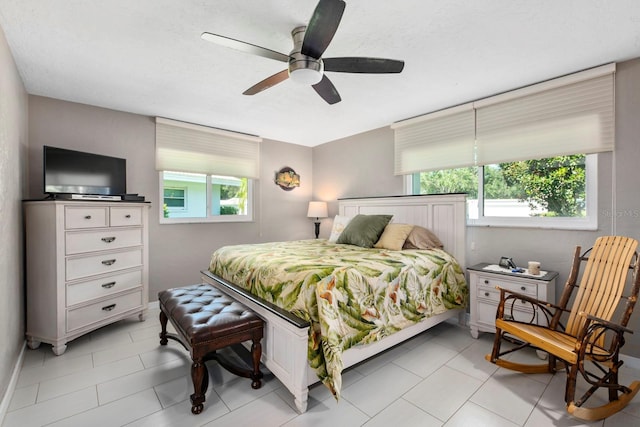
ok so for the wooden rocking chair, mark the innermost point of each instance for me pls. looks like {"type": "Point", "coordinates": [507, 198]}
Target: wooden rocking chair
{"type": "Point", "coordinates": [590, 339]}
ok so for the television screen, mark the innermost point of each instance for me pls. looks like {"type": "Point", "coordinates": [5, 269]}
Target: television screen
{"type": "Point", "coordinates": [75, 172]}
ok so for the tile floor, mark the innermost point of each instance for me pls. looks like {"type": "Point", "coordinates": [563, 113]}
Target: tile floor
{"type": "Point", "coordinates": [119, 375]}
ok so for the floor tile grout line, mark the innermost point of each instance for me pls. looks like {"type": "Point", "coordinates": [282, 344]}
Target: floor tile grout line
{"type": "Point", "coordinates": [468, 400]}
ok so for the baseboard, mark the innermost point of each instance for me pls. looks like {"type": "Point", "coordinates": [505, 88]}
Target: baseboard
{"type": "Point", "coordinates": [8, 395]}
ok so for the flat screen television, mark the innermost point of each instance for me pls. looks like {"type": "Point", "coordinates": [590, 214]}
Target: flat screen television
{"type": "Point", "coordinates": [76, 172]}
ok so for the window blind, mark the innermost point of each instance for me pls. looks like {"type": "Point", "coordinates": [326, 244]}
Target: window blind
{"type": "Point", "coordinates": [185, 147]}
{"type": "Point", "coordinates": [558, 118]}
{"type": "Point", "coordinates": [573, 114]}
{"type": "Point", "coordinates": [440, 140]}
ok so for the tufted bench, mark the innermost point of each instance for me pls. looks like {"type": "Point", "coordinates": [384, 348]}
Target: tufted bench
{"type": "Point", "coordinates": [206, 320]}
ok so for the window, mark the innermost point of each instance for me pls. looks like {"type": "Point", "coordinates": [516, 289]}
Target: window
{"type": "Point", "coordinates": [212, 198]}
{"type": "Point", "coordinates": [175, 198]}
{"type": "Point", "coordinates": [526, 157]}
{"type": "Point", "coordinates": [556, 192]}
{"type": "Point", "coordinates": [206, 174]}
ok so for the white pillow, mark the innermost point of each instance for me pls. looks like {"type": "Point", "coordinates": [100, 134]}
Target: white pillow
{"type": "Point", "coordinates": [339, 223]}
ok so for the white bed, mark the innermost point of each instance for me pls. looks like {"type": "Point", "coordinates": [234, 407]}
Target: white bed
{"type": "Point", "coordinates": [286, 336]}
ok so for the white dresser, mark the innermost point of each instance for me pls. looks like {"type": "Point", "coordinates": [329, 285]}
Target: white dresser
{"type": "Point", "coordinates": [87, 266]}
{"type": "Point", "coordinates": [484, 295]}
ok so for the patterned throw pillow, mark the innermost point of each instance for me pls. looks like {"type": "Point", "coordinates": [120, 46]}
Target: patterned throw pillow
{"type": "Point", "coordinates": [339, 223]}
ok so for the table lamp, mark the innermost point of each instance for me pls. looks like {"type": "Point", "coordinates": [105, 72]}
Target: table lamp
{"type": "Point", "coordinates": [317, 210]}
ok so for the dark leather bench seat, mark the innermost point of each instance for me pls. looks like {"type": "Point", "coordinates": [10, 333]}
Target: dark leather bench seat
{"type": "Point", "coordinates": [206, 320]}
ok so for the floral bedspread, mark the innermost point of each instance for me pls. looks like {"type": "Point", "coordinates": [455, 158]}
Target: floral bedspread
{"type": "Point", "coordinates": [350, 295]}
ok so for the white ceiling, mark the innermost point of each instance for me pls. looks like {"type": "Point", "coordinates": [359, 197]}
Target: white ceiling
{"type": "Point", "coordinates": [147, 57]}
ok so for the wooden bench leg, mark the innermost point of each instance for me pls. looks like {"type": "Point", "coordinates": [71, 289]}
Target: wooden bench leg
{"type": "Point", "coordinates": [256, 354]}
{"type": "Point", "coordinates": [163, 325]}
{"type": "Point", "coordinates": [200, 378]}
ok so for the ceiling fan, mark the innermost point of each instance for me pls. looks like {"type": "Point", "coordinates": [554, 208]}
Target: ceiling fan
{"type": "Point", "coordinates": [306, 64]}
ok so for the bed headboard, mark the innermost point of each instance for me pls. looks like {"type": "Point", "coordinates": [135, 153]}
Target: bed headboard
{"type": "Point", "coordinates": [444, 214]}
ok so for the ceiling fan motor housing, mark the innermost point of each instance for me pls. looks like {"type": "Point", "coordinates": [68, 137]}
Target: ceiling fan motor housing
{"type": "Point", "coordinates": [302, 68]}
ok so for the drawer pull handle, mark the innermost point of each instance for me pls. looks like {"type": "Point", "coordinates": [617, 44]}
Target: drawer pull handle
{"type": "Point", "coordinates": [486, 294]}
{"type": "Point", "coordinates": [486, 282]}
{"type": "Point", "coordinates": [522, 288]}
{"type": "Point", "coordinates": [127, 216]}
{"type": "Point", "coordinates": [108, 285]}
{"type": "Point", "coordinates": [109, 261]}
{"type": "Point", "coordinates": [108, 239]}
{"type": "Point", "coordinates": [109, 307]}
{"type": "Point", "coordinates": [87, 217]}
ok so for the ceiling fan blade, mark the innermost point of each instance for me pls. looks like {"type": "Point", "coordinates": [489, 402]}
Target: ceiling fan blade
{"type": "Point", "coordinates": [267, 83]}
{"type": "Point", "coordinates": [245, 47]}
{"type": "Point", "coordinates": [327, 91]}
{"type": "Point", "coordinates": [322, 27]}
{"type": "Point", "coordinates": [363, 65]}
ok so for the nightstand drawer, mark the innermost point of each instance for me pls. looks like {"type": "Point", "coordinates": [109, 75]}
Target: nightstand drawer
{"type": "Point", "coordinates": [484, 282]}
{"type": "Point", "coordinates": [93, 313]}
{"type": "Point", "coordinates": [493, 293]}
{"type": "Point", "coordinates": [487, 313]}
{"type": "Point", "coordinates": [85, 217]}
{"type": "Point", "coordinates": [105, 286]}
{"type": "Point", "coordinates": [493, 296]}
{"type": "Point", "coordinates": [77, 242]}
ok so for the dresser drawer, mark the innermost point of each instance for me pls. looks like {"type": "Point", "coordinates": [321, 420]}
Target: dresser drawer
{"type": "Point", "coordinates": [98, 288]}
{"type": "Point", "coordinates": [485, 282]}
{"type": "Point", "coordinates": [77, 242]}
{"type": "Point", "coordinates": [126, 215]}
{"type": "Point", "coordinates": [85, 217]}
{"type": "Point", "coordinates": [93, 313]}
{"type": "Point", "coordinates": [78, 267]}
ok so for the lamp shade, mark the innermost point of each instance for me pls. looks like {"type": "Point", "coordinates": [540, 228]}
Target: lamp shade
{"type": "Point", "coordinates": [317, 210]}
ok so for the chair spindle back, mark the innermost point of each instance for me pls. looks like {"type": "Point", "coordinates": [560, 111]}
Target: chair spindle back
{"type": "Point", "coordinates": [603, 280]}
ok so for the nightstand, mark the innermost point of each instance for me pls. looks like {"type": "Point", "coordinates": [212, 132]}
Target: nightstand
{"type": "Point", "coordinates": [484, 296]}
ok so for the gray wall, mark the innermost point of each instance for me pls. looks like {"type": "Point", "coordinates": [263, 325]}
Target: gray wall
{"type": "Point", "coordinates": [177, 251]}
{"type": "Point", "coordinates": [357, 166]}
{"type": "Point", "coordinates": [362, 165]}
{"type": "Point", "coordinates": [13, 167]}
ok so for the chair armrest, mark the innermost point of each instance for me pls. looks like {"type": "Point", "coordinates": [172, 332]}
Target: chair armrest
{"type": "Point", "coordinates": [544, 306]}
{"type": "Point", "coordinates": [606, 323]}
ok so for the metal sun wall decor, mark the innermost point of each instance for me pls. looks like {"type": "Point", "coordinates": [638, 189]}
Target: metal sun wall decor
{"type": "Point", "coordinates": [287, 179]}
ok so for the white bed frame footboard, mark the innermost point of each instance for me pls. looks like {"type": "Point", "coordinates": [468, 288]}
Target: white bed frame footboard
{"type": "Point", "coordinates": [285, 339]}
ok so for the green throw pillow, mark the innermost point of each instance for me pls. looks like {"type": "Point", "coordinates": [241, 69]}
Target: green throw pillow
{"type": "Point", "coordinates": [364, 230]}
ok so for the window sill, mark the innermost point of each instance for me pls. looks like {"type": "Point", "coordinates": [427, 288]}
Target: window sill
{"type": "Point", "coordinates": [548, 223]}
{"type": "Point", "coordinates": [214, 220]}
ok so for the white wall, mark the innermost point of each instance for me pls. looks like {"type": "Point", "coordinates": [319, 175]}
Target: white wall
{"type": "Point", "coordinates": [13, 167]}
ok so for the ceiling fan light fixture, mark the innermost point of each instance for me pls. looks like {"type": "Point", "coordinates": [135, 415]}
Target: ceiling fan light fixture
{"type": "Point", "coordinates": [307, 76]}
